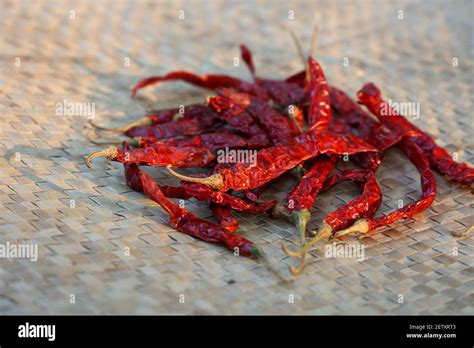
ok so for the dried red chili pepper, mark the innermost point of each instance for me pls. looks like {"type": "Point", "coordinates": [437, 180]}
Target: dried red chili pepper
{"type": "Point", "coordinates": [236, 116]}
{"type": "Point", "coordinates": [185, 126]}
{"type": "Point", "coordinates": [281, 93]}
{"type": "Point", "coordinates": [364, 205]}
{"type": "Point", "coordinates": [132, 172]}
{"type": "Point", "coordinates": [428, 184]}
{"type": "Point", "coordinates": [302, 197]}
{"type": "Point", "coordinates": [277, 126]}
{"type": "Point", "coordinates": [258, 141]}
{"type": "Point", "coordinates": [185, 222]}
{"type": "Point", "coordinates": [300, 200]}
{"type": "Point", "coordinates": [225, 217]}
{"type": "Point", "coordinates": [439, 158]}
{"type": "Point", "coordinates": [206, 81]}
{"type": "Point", "coordinates": [353, 117]}
{"type": "Point", "coordinates": [319, 113]}
{"type": "Point", "coordinates": [212, 141]}
{"type": "Point", "coordinates": [273, 161]}
{"type": "Point", "coordinates": [428, 187]}
{"type": "Point", "coordinates": [189, 190]}
{"type": "Point", "coordinates": [183, 157]}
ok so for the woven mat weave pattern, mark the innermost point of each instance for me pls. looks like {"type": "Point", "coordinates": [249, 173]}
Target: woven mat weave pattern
{"type": "Point", "coordinates": [84, 220]}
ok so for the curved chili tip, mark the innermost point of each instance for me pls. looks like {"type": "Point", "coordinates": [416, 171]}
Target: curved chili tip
{"type": "Point", "coordinates": [360, 226]}
{"type": "Point", "coordinates": [142, 122]}
{"type": "Point", "coordinates": [109, 153]}
{"type": "Point", "coordinates": [214, 181]}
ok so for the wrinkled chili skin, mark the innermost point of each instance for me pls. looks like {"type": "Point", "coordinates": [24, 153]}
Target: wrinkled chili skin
{"type": "Point", "coordinates": [184, 126]}
{"type": "Point", "coordinates": [277, 126]}
{"type": "Point", "coordinates": [167, 115]}
{"type": "Point", "coordinates": [225, 217]}
{"type": "Point", "coordinates": [212, 141]}
{"type": "Point", "coordinates": [206, 81]}
{"type": "Point", "coordinates": [304, 193]}
{"type": "Point", "coordinates": [132, 172]}
{"type": "Point", "coordinates": [364, 205]}
{"type": "Point", "coordinates": [319, 112]}
{"type": "Point", "coordinates": [428, 187]}
{"type": "Point", "coordinates": [354, 175]}
{"type": "Point", "coordinates": [377, 135]}
{"type": "Point", "coordinates": [204, 193]}
{"type": "Point", "coordinates": [282, 93]}
{"type": "Point", "coordinates": [162, 116]}
{"type": "Point", "coordinates": [439, 158]}
{"type": "Point", "coordinates": [181, 157]}
{"type": "Point", "coordinates": [185, 222]}
{"type": "Point", "coordinates": [274, 161]}
{"type": "Point", "coordinates": [236, 116]}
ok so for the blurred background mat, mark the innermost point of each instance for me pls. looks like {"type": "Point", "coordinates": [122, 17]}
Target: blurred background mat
{"type": "Point", "coordinates": [85, 220]}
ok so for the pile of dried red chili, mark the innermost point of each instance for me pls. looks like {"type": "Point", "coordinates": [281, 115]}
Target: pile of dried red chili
{"type": "Point", "coordinates": [300, 125]}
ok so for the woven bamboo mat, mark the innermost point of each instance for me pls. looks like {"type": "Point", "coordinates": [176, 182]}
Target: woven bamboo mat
{"type": "Point", "coordinates": [84, 221]}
